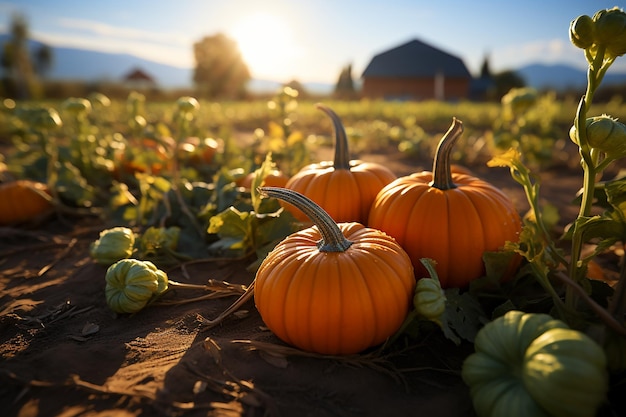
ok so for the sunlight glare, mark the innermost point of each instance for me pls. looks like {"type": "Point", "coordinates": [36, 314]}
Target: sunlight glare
{"type": "Point", "coordinates": [267, 45]}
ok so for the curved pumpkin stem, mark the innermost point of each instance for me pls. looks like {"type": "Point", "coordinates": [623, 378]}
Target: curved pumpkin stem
{"type": "Point", "coordinates": [442, 175]}
{"type": "Point", "coordinates": [333, 239]}
{"type": "Point", "coordinates": [342, 156]}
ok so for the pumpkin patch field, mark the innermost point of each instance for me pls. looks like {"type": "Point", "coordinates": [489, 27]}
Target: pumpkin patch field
{"type": "Point", "coordinates": [316, 258]}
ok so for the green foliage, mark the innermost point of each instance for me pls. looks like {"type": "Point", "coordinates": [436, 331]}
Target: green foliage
{"type": "Point", "coordinates": [255, 230]}
{"type": "Point", "coordinates": [600, 224]}
{"type": "Point", "coordinates": [458, 313]}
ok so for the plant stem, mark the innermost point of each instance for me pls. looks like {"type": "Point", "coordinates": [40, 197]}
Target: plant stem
{"type": "Point", "coordinates": [602, 313]}
{"type": "Point", "coordinates": [342, 156]}
{"type": "Point", "coordinates": [442, 176]}
{"type": "Point", "coordinates": [333, 239]}
{"type": "Point", "coordinates": [588, 162]}
{"type": "Point", "coordinates": [617, 306]}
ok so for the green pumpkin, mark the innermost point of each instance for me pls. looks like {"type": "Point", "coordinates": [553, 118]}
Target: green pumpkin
{"type": "Point", "coordinates": [131, 284]}
{"type": "Point", "coordinates": [531, 365]}
{"type": "Point", "coordinates": [565, 372]}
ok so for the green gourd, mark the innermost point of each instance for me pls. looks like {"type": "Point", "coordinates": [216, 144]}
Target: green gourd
{"type": "Point", "coordinates": [112, 245]}
{"type": "Point", "coordinates": [131, 284]}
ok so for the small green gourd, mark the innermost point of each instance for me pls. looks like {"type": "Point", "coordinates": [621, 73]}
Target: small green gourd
{"type": "Point", "coordinates": [429, 300]}
{"type": "Point", "coordinates": [112, 245]}
{"type": "Point", "coordinates": [131, 284]}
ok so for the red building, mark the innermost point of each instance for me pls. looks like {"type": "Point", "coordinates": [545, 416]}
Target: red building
{"type": "Point", "coordinates": [139, 79]}
{"type": "Point", "coordinates": [416, 71]}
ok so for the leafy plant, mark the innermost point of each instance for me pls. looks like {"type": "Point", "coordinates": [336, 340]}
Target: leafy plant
{"type": "Point", "coordinates": [600, 142]}
{"type": "Point", "coordinates": [251, 229]}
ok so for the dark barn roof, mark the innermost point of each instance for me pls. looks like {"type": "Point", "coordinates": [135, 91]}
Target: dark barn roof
{"type": "Point", "coordinates": [138, 75]}
{"type": "Point", "coordinates": [415, 59]}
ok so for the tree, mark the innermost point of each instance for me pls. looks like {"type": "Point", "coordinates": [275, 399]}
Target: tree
{"type": "Point", "coordinates": [297, 85]}
{"type": "Point", "coordinates": [220, 70]}
{"type": "Point", "coordinates": [506, 80]}
{"type": "Point", "coordinates": [43, 60]}
{"type": "Point", "coordinates": [19, 79]}
{"type": "Point", "coordinates": [485, 70]}
{"type": "Point", "coordinates": [344, 88]}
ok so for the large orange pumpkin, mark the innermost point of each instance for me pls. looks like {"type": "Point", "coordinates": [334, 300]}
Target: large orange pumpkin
{"type": "Point", "coordinates": [344, 188]}
{"type": "Point", "coordinates": [333, 288]}
{"type": "Point", "coordinates": [447, 216]}
{"type": "Point", "coordinates": [22, 201]}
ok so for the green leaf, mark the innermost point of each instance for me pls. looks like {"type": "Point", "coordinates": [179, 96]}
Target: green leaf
{"type": "Point", "coordinates": [498, 264]}
{"type": "Point", "coordinates": [259, 177]}
{"type": "Point", "coordinates": [231, 223]}
{"type": "Point", "coordinates": [72, 186]}
{"type": "Point", "coordinates": [155, 241]}
{"type": "Point", "coordinates": [616, 195]}
{"type": "Point", "coordinates": [276, 226]}
{"type": "Point", "coordinates": [463, 317]}
{"type": "Point", "coordinates": [226, 194]}
{"type": "Point", "coordinates": [599, 227]}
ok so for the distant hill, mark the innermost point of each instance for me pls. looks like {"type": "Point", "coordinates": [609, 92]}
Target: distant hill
{"type": "Point", "coordinates": [78, 64]}
{"type": "Point", "coordinates": [89, 65]}
{"type": "Point", "coordinates": [561, 77]}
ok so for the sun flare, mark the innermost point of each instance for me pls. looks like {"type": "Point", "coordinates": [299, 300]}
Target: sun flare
{"type": "Point", "coordinates": [266, 42]}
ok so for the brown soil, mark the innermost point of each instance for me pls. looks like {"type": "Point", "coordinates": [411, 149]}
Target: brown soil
{"type": "Point", "coordinates": [64, 353]}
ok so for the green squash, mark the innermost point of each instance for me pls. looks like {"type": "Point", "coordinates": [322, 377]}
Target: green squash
{"type": "Point", "coordinates": [112, 245]}
{"type": "Point", "coordinates": [131, 284]}
{"type": "Point", "coordinates": [531, 365]}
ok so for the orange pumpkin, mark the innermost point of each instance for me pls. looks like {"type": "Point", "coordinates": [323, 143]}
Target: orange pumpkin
{"type": "Point", "coordinates": [276, 178]}
{"type": "Point", "coordinates": [145, 155]}
{"type": "Point", "coordinates": [333, 288]}
{"type": "Point", "coordinates": [198, 151]}
{"type": "Point", "coordinates": [450, 217]}
{"type": "Point", "coordinates": [344, 188]}
{"type": "Point", "coordinates": [22, 201]}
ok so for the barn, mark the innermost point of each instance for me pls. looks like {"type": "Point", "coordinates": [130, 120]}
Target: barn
{"type": "Point", "coordinates": [416, 71]}
{"type": "Point", "coordinates": [139, 80]}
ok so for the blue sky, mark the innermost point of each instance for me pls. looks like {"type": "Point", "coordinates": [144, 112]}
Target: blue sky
{"type": "Point", "coordinates": [312, 40]}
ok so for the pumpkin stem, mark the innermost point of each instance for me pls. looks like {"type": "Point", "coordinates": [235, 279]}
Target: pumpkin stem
{"type": "Point", "coordinates": [442, 175]}
{"type": "Point", "coordinates": [333, 239]}
{"type": "Point", "coordinates": [342, 156]}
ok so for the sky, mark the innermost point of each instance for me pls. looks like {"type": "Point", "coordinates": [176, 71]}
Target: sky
{"type": "Point", "coordinates": [311, 41]}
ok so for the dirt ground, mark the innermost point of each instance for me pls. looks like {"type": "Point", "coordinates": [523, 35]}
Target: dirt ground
{"type": "Point", "coordinates": [65, 353]}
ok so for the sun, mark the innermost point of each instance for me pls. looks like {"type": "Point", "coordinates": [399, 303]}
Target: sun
{"type": "Point", "coordinates": [267, 45]}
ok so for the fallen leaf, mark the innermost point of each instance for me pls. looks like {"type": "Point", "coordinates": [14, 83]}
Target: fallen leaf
{"type": "Point", "coordinates": [89, 329]}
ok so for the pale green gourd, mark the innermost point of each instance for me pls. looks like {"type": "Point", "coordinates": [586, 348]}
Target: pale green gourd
{"type": "Point", "coordinates": [131, 284]}
{"type": "Point", "coordinates": [112, 245]}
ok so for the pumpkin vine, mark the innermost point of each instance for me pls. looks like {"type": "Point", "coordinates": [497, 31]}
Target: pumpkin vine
{"type": "Point", "coordinates": [442, 172]}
